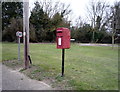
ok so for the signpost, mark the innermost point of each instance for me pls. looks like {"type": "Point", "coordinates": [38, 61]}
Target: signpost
{"type": "Point", "coordinates": [19, 35]}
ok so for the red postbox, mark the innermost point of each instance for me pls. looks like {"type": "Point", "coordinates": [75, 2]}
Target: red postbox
{"type": "Point", "coordinates": [63, 38]}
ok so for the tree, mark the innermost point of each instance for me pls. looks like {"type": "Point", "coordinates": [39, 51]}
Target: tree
{"type": "Point", "coordinates": [41, 22]}
{"type": "Point", "coordinates": [99, 15]}
{"type": "Point", "coordinates": [11, 10]}
{"type": "Point", "coordinates": [11, 19]}
{"type": "Point", "coordinates": [117, 11]}
{"type": "Point", "coordinates": [115, 21]}
{"type": "Point", "coordinates": [44, 24]}
{"type": "Point", "coordinates": [57, 11]}
{"type": "Point", "coordinates": [79, 22]}
{"type": "Point", "coordinates": [52, 8]}
{"type": "Point", "coordinates": [59, 21]}
{"type": "Point", "coordinates": [82, 34]}
{"type": "Point", "coordinates": [32, 34]}
{"type": "Point", "coordinates": [9, 33]}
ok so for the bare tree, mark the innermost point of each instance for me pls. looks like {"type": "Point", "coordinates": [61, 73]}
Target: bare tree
{"type": "Point", "coordinates": [99, 15]}
{"type": "Point", "coordinates": [115, 21]}
{"type": "Point", "coordinates": [51, 8]}
{"type": "Point", "coordinates": [79, 22]}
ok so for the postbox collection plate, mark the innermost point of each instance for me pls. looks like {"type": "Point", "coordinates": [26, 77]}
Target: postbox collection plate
{"type": "Point", "coordinates": [63, 38]}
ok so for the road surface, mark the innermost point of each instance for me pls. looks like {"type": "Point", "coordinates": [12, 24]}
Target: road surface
{"type": "Point", "coordinates": [14, 80]}
{"type": "Point", "coordinates": [92, 44]}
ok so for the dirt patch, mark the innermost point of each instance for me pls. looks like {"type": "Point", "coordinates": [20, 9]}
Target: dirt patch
{"type": "Point", "coordinates": [14, 64]}
{"type": "Point", "coordinates": [56, 81]}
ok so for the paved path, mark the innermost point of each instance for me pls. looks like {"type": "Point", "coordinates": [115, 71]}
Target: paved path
{"type": "Point", "coordinates": [14, 80]}
{"type": "Point", "coordinates": [91, 44]}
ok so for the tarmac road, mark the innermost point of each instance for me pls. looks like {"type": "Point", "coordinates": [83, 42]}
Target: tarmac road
{"type": "Point", "coordinates": [97, 44]}
{"type": "Point", "coordinates": [14, 80]}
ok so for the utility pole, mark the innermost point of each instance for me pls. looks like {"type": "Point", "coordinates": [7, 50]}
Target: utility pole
{"type": "Point", "coordinates": [26, 32]}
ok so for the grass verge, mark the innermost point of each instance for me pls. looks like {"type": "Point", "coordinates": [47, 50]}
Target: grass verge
{"type": "Point", "coordinates": [86, 67]}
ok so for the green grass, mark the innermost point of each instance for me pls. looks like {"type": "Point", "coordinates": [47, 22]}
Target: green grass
{"type": "Point", "coordinates": [86, 67]}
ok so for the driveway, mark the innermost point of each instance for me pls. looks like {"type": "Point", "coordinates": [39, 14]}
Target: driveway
{"type": "Point", "coordinates": [14, 80]}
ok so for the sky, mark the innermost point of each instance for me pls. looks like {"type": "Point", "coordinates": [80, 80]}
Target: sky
{"type": "Point", "coordinates": [78, 6]}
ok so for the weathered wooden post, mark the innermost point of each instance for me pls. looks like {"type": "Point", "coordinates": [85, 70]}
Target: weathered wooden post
{"type": "Point", "coordinates": [26, 32]}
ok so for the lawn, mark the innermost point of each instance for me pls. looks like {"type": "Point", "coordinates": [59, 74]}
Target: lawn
{"type": "Point", "coordinates": [86, 67]}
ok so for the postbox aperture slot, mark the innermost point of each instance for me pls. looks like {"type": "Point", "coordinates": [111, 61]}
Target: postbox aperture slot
{"type": "Point", "coordinates": [59, 31]}
{"type": "Point", "coordinates": [59, 36]}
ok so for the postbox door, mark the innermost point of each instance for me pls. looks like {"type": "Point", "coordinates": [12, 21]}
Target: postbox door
{"type": "Point", "coordinates": [63, 38]}
{"type": "Point", "coordinates": [66, 38]}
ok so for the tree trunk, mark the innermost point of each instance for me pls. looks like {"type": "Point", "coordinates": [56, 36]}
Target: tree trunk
{"type": "Point", "coordinates": [113, 41]}
{"type": "Point", "coordinates": [93, 37]}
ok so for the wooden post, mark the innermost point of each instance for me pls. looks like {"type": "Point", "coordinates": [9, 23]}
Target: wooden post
{"type": "Point", "coordinates": [26, 31]}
